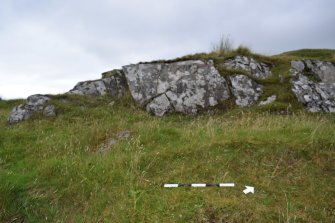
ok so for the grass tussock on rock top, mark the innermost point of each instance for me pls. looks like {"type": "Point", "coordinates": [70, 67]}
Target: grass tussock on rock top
{"type": "Point", "coordinates": [50, 169]}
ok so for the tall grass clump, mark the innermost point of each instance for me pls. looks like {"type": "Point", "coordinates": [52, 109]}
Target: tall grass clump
{"type": "Point", "coordinates": [224, 45]}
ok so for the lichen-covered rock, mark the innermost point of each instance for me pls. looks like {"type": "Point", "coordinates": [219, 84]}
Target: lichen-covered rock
{"type": "Point", "coordinates": [49, 110]}
{"type": "Point", "coordinates": [113, 85]}
{"type": "Point", "coordinates": [319, 95]}
{"type": "Point", "coordinates": [180, 86]}
{"type": "Point", "coordinates": [33, 104]}
{"type": "Point", "coordinates": [323, 71]}
{"type": "Point", "coordinates": [159, 106]}
{"type": "Point", "coordinates": [298, 65]}
{"type": "Point", "coordinates": [255, 68]}
{"type": "Point", "coordinates": [245, 90]}
{"type": "Point", "coordinates": [112, 73]}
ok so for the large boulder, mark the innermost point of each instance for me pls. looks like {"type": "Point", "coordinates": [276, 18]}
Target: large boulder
{"type": "Point", "coordinates": [313, 83]}
{"type": "Point", "coordinates": [255, 68]}
{"type": "Point", "coordinates": [112, 85]}
{"type": "Point", "coordinates": [245, 90]}
{"type": "Point", "coordinates": [34, 103]}
{"type": "Point", "coordinates": [185, 86]}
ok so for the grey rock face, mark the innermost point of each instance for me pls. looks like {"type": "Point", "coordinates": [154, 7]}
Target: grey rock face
{"type": "Point", "coordinates": [256, 69]}
{"type": "Point", "coordinates": [324, 71]}
{"type": "Point", "coordinates": [159, 106]}
{"type": "Point", "coordinates": [114, 85]}
{"type": "Point", "coordinates": [298, 65]}
{"type": "Point", "coordinates": [33, 104]}
{"type": "Point", "coordinates": [93, 88]}
{"type": "Point", "coordinates": [245, 90]}
{"type": "Point", "coordinates": [181, 86]}
{"type": "Point", "coordinates": [316, 96]}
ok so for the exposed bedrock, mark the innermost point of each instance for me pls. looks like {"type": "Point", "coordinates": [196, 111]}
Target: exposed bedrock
{"type": "Point", "coordinates": [185, 86]}
{"type": "Point", "coordinates": [313, 83]}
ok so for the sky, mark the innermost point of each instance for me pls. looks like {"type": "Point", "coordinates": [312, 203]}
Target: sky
{"type": "Point", "coordinates": [47, 46]}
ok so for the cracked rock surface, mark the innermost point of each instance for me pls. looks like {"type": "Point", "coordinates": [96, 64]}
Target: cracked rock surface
{"type": "Point", "coordinates": [114, 86]}
{"type": "Point", "coordinates": [317, 95]}
{"type": "Point", "coordinates": [185, 86]}
{"type": "Point", "coordinates": [245, 90]}
{"type": "Point", "coordinates": [255, 68]}
{"type": "Point", "coordinates": [34, 103]}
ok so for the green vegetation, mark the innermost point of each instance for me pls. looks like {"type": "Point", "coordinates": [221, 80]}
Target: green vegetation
{"type": "Point", "coordinates": [50, 170]}
{"type": "Point", "coordinates": [321, 54]}
{"type": "Point", "coordinates": [224, 45]}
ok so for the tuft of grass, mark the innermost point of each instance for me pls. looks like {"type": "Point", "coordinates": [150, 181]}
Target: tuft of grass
{"type": "Point", "coordinates": [223, 46]}
{"type": "Point", "coordinates": [243, 50]}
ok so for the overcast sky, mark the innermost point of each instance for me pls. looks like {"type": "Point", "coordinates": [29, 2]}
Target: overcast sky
{"type": "Point", "coordinates": [47, 46]}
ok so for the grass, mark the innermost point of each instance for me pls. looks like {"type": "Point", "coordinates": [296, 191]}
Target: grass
{"type": "Point", "coordinates": [50, 169]}
{"type": "Point", "coordinates": [321, 54]}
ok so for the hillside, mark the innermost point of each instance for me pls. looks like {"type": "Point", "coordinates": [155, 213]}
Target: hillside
{"type": "Point", "coordinates": [105, 159]}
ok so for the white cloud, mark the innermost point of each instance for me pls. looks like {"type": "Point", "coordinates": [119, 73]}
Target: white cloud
{"type": "Point", "coordinates": [48, 46]}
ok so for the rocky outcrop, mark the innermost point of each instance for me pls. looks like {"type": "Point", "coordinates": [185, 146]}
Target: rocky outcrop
{"type": "Point", "coordinates": [245, 90]}
{"type": "Point", "coordinates": [34, 104]}
{"type": "Point", "coordinates": [114, 85]}
{"type": "Point", "coordinates": [193, 85]}
{"type": "Point", "coordinates": [255, 68]}
{"type": "Point", "coordinates": [185, 86]}
{"type": "Point", "coordinates": [313, 83]}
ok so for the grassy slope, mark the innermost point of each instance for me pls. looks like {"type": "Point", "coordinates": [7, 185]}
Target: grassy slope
{"type": "Point", "coordinates": [49, 168]}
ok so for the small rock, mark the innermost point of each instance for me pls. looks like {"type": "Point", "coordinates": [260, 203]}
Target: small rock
{"type": "Point", "coordinates": [269, 100]}
{"type": "Point", "coordinates": [160, 106]}
{"type": "Point", "coordinates": [281, 79]}
{"type": "Point", "coordinates": [19, 113]}
{"type": "Point", "coordinates": [112, 103]}
{"type": "Point", "coordinates": [49, 111]}
{"type": "Point", "coordinates": [113, 85]}
{"type": "Point", "coordinates": [107, 145]}
{"type": "Point", "coordinates": [34, 103]}
{"type": "Point", "coordinates": [245, 90]}
{"type": "Point", "coordinates": [298, 65]}
{"type": "Point", "coordinates": [123, 135]}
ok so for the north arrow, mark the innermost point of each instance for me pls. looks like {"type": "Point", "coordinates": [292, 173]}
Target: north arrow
{"type": "Point", "coordinates": [248, 189]}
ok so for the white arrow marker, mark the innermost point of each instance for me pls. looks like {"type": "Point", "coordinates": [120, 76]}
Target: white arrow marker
{"type": "Point", "coordinates": [248, 190]}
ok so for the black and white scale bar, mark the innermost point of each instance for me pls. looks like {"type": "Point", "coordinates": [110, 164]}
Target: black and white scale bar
{"type": "Point", "coordinates": [201, 185]}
